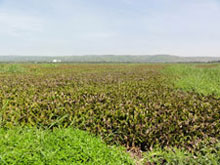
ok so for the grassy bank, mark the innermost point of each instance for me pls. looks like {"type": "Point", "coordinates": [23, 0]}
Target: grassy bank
{"type": "Point", "coordinates": [60, 146]}
{"type": "Point", "coordinates": [69, 146]}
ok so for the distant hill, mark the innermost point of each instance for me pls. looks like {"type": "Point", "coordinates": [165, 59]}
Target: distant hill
{"type": "Point", "coordinates": [109, 59]}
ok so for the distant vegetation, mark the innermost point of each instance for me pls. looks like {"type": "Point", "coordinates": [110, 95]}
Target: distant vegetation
{"type": "Point", "coordinates": [108, 59]}
{"type": "Point", "coordinates": [170, 112]}
{"type": "Point", "coordinates": [13, 68]}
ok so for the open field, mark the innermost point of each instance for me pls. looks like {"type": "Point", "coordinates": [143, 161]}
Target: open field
{"type": "Point", "coordinates": [161, 113]}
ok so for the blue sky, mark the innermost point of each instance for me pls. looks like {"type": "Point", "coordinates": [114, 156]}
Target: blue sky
{"type": "Point", "coordinates": [136, 27]}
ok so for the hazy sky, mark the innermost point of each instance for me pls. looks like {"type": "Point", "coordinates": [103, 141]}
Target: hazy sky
{"type": "Point", "coordinates": [77, 27]}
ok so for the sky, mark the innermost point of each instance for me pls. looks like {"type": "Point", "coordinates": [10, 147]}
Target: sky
{"type": "Point", "coordinates": [104, 27]}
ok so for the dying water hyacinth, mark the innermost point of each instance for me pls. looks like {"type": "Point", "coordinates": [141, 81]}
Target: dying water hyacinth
{"type": "Point", "coordinates": [133, 105]}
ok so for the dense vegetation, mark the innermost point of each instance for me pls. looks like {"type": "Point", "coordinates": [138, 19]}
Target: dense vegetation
{"type": "Point", "coordinates": [32, 146]}
{"type": "Point", "coordinates": [139, 106]}
{"type": "Point", "coordinates": [201, 78]}
{"type": "Point", "coordinates": [207, 155]}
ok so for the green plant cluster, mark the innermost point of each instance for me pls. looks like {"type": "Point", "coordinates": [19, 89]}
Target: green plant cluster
{"type": "Point", "coordinates": [132, 105]}
{"type": "Point", "coordinates": [62, 146]}
{"type": "Point", "coordinates": [203, 79]}
{"type": "Point", "coordinates": [207, 155]}
{"type": "Point", "coordinates": [11, 68]}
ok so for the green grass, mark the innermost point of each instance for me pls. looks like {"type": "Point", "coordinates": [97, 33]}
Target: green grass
{"type": "Point", "coordinates": [61, 146]}
{"type": "Point", "coordinates": [69, 146]}
{"type": "Point", "coordinates": [11, 68]}
{"type": "Point", "coordinates": [204, 79]}
{"type": "Point", "coordinates": [207, 155]}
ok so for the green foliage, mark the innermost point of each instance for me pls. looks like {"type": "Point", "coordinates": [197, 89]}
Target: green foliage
{"type": "Point", "coordinates": [11, 68]}
{"type": "Point", "coordinates": [60, 146]}
{"type": "Point", "coordinates": [132, 105]}
{"type": "Point", "coordinates": [207, 155]}
{"type": "Point", "coordinates": [204, 79]}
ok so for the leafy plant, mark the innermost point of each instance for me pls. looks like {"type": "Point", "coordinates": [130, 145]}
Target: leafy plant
{"type": "Point", "coordinates": [133, 105]}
